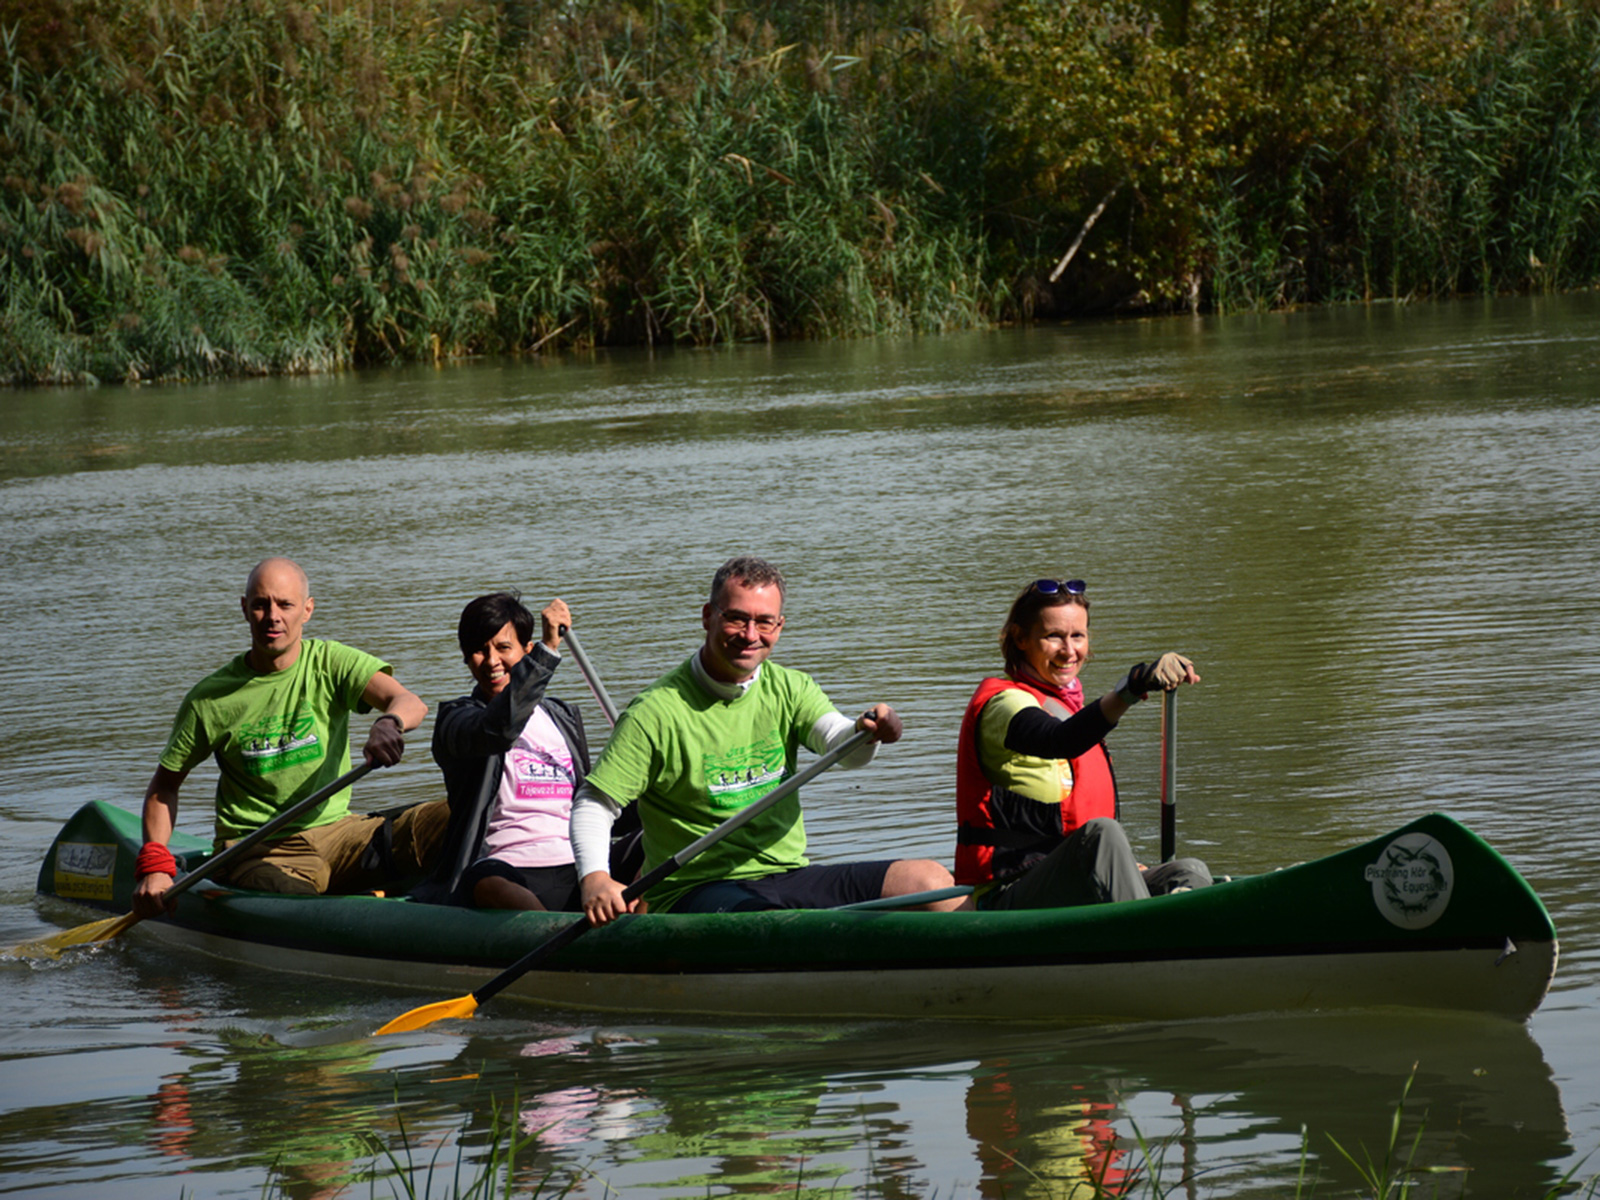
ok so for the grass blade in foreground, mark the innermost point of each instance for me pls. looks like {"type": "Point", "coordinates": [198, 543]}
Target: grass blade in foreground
{"type": "Point", "coordinates": [465, 1006]}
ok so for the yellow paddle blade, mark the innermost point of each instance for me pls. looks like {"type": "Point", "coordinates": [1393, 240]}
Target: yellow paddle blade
{"type": "Point", "coordinates": [95, 931]}
{"type": "Point", "coordinates": [440, 1010]}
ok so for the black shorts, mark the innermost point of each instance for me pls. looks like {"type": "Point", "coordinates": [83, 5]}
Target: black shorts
{"type": "Point", "coordinates": [556, 887]}
{"type": "Point", "coordinates": [805, 887]}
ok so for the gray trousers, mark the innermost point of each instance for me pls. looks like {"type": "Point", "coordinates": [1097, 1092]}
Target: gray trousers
{"type": "Point", "coordinates": [1095, 865]}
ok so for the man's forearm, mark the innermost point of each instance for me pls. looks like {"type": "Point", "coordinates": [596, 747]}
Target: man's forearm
{"type": "Point", "coordinates": [160, 813]}
{"type": "Point", "coordinates": [409, 708]}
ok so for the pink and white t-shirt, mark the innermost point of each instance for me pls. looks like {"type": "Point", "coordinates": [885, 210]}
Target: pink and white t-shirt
{"type": "Point", "coordinates": [528, 827]}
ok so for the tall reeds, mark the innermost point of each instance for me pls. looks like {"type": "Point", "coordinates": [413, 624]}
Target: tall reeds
{"type": "Point", "coordinates": [194, 187]}
{"type": "Point", "coordinates": [1500, 190]}
{"type": "Point", "coordinates": [268, 188]}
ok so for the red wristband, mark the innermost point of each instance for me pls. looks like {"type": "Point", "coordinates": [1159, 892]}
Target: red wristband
{"type": "Point", "coordinates": [155, 859]}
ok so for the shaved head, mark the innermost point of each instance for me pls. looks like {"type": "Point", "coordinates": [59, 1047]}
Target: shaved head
{"type": "Point", "coordinates": [277, 603]}
{"type": "Point", "coordinates": [282, 573]}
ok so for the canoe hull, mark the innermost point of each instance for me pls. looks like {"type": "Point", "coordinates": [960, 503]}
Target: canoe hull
{"type": "Point", "coordinates": [1426, 917]}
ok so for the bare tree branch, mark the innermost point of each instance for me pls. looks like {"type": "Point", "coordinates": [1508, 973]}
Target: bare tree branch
{"type": "Point", "coordinates": [1083, 233]}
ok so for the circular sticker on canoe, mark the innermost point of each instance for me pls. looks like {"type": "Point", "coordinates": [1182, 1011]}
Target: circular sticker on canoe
{"type": "Point", "coordinates": [1411, 881]}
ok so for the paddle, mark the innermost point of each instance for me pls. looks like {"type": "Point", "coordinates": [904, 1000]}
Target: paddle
{"type": "Point", "coordinates": [1169, 774]}
{"type": "Point", "coordinates": [933, 897]}
{"type": "Point", "coordinates": [465, 1006]}
{"type": "Point", "coordinates": [607, 705]}
{"type": "Point", "coordinates": [100, 931]}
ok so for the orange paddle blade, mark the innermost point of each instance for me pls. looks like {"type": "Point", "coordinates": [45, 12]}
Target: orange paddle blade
{"type": "Point", "coordinates": [95, 931]}
{"type": "Point", "coordinates": [440, 1010]}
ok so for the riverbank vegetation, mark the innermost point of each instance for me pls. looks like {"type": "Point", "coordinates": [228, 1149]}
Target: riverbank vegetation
{"type": "Point", "coordinates": [210, 187]}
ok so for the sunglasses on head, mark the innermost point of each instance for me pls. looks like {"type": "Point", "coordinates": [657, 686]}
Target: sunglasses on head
{"type": "Point", "coordinates": [1058, 587]}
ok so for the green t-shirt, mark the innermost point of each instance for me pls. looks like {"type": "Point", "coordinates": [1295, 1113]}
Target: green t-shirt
{"type": "Point", "coordinates": [276, 737]}
{"type": "Point", "coordinates": [692, 760]}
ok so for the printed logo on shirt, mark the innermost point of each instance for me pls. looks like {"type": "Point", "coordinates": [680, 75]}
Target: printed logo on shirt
{"type": "Point", "coordinates": [742, 776]}
{"type": "Point", "coordinates": [539, 775]}
{"type": "Point", "coordinates": [277, 742]}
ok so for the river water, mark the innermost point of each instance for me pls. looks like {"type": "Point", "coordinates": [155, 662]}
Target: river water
{"type": "Point", "coordinates": [1375, 531]}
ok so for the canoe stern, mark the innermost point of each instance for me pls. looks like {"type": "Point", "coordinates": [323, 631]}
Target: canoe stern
{"type": "Point", "coordinates": [92, 859]}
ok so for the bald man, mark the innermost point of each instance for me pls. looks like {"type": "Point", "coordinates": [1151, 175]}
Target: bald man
{"type": "Point", "coordinates": [277, 721]}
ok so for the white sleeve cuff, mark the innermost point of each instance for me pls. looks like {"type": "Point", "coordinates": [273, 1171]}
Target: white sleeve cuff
{"type": "Point", "coordinates": [593, 814]}
{"type": "Point", "coordinates": [833, 728]}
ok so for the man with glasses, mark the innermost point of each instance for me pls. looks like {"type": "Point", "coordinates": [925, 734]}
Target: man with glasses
{"type": "Point", "coordinates": [710, 738]}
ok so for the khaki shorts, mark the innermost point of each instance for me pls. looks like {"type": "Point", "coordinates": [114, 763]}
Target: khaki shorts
{"type": "Point", "coordinates": [334, 857]}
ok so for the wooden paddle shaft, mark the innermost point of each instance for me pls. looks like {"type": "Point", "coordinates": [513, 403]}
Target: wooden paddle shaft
{"type": "Point", "coordinates": [1169, 774]}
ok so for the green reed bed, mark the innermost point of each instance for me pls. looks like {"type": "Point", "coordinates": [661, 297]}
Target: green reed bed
{"type": "Point", "coordinates": [262, 188]}
{"type": "Point", "coordinates": [197, 187]}
{"type": "Point", "coordinates": [727, 207]}
{"type": "Point", "coordinates": [1500, 190]}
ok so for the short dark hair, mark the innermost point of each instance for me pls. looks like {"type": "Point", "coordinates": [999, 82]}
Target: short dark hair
{"type": "Point", "coordinates": [750, 571]}
{"type": "Point", "coordinates": [487, 615]}
{"type": "Point", "coordinates": [1025, 610]}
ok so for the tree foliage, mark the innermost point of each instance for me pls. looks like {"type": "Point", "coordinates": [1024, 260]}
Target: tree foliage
{"type": "Point", "coordinates": [1200, 114]}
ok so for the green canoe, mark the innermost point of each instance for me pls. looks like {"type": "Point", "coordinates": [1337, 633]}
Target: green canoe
{"type": "Point", "coordinates": [1428, 916]}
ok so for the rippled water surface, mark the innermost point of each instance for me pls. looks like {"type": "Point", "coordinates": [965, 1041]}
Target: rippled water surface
{"type": "Point", "coordinates": [1374, 530]}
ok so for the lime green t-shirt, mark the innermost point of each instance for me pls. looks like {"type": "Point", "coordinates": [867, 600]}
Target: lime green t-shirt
{"type": "Point", "coordinates": [691, 760]}
{"type": "Point", "coordinates": [1047, 780]}
{"type": "Point", "coordinates": [276, 737]}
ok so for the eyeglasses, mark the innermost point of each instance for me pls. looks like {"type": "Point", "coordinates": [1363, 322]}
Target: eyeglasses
{"type": "Point", "coordinates": [735, 621]}
{"type": "Point", "coordinates": [1056, 587]}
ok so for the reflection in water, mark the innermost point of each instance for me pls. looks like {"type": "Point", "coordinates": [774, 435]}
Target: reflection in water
{"type": "Point", "coordinates": [1029, 1112]}
{"type": "Point", "coordinates": [1055, 1149]}
{"type": "Point", "coordinates": [316, 1136]}
{"type": "Point", "coordinates": [578, 1114]}
{"type": "Point", "coordinates": [220, 1101]}
{"type": "Point", "coordinates": [1372, 528]}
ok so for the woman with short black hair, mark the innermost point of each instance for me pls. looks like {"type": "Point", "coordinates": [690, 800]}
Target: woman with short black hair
{"type": "Point", "coordinates": [512, 757]}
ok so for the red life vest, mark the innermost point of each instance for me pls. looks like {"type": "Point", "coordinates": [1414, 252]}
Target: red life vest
{"type": "Point", "coordinates": [1093, 794]}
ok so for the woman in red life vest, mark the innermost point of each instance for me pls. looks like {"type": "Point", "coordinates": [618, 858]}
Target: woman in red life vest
{"type": "Point", "coordinates": [1036, 799]}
